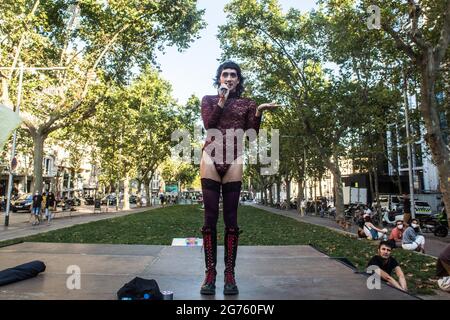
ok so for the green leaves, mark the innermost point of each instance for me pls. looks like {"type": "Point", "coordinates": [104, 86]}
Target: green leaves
{"type": "Point", "coordinates": [112, 40]}
{"type": "Point", "coordinates": [131, 130]}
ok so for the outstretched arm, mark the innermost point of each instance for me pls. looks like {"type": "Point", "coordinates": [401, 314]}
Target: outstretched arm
{"type": "Point", "coordinates": [266, 106]}
{"type": "Point", "coordinates": [254, 115]}
{"type": "Point", "coordinates": [401, 278]}
{"type": "Point", "coordinates": [253, 118]}
{"type": "Point", "coordinates": [386, 277]}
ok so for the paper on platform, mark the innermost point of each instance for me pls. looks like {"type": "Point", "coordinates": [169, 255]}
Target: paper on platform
{"type": "Point", "coordinates": [187, 242]}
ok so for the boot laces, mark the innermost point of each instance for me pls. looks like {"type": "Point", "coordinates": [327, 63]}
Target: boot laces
{"type": "Point", "coordinates": [210, 277]}
{"type": "Point", "coordinates": [229, 278]}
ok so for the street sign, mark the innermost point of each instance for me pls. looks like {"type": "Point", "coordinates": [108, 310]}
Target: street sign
{"type": "Point", "coordinates": [13, 164]}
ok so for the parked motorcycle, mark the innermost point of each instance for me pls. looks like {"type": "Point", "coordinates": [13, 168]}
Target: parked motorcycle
{"type": "Point", "coordinates": [331, 211]}
{"type": "Point", "coordinates": [438, 224]}
{"type": "Point", "coordinates": [293, 204]}
{"type": "Point", "coordinates": [351, 212]}
{"type": "Point", "coordinates": [389, 218]}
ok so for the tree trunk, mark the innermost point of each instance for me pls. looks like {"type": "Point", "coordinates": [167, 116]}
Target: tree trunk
{"type": "Point", "coordinates": [377, 193]}
{"type": "Point", "coordinates": [337, 186]}
{"type": "Point", "coordinates": [372, 193]}
{"type": "Point", "coordinates": [68, 184]}
{"type": "Point", "coordinates": [139, 186]}
{"type": "Point", "coordinates": [300, 197]}
{"type": "Point", "coordinates": [270, 195]}
{"type": "Point", "coordinates": [147, 192]}
{"type": "Point", "coordinates": [118, 195]}
{"type": "Point", "coordinates": [288, 192]}
{"type": "Point", "coordinates": [5, 92]}
{"type": "Point", "coordinates": [434, 136]}
{"type": "Point", "coordinates": [320, 187]}
{"type": "Point", "coordinates": [399, 181]}
{"type": "Point", "coordinates": [315, 197]}
{"type": "Point", "coordinates": [126, 190]}
{"type": "Point", "coordinates": [38, 153]}
{"type": "Point", "coordinates": [139, 191]}
{"type": "Point", "coordinates": [278, 191]}
{"type": "Point", "coordinates": [265, 196]}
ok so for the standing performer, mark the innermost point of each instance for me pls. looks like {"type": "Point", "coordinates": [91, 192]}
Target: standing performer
{"type": "Point", "coordinates": [227, 110]}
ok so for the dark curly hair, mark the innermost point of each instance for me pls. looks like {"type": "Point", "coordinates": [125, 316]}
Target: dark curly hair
{"type": "Point", "coordinates": [230, 65]}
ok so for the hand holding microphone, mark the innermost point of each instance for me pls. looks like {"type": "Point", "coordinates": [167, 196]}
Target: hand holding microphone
{"type": "Point", "coordinates": [223, 94]}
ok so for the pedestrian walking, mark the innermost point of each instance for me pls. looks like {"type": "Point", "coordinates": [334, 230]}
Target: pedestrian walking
{"type": "Point", "coordinates": [36, 208]}
{"type": "Point", "coordinates": [49, 207]}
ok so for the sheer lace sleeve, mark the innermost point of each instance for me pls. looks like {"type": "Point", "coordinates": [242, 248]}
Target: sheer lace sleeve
{"type": "Point", "coordinates": [211, 112]}
{"type": "Point", "coordinates": [253, 121]}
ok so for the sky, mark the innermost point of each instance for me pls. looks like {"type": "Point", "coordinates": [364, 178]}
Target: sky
{"type": "Point", "coordinates": [192, 71]}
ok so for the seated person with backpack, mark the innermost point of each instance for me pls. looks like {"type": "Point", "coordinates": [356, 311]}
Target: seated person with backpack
{"type": "Point", "coordinates": [372, 232]}
{"type": "Point", "coordinates": [386, 265]}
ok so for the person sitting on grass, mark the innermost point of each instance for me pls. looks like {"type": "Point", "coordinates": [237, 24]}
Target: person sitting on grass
{"type": "Point", "coordinates": [443, 269]}
{"type": "Point", "coordinates": [386, 264]}
{"type": "Point", "coordinates": [360, 223]}
{"type": "Point", "coordinates": [372, 232]}
{"type": "Point", "coordinates": [413, 238]}
{"type": "Point", "coordinates": [397, 234]}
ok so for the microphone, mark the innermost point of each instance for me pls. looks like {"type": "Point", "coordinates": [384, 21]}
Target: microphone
{"type": "Point", "coordinates": [223, 89]}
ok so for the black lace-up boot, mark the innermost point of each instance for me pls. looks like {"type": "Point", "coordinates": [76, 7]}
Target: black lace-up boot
{"type": "Point", "coordinates": [231, 244]}
{"type": "Point", "coordinates": [210, 248]}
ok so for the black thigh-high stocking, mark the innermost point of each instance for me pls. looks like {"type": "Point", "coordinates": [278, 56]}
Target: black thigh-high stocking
{"type": "Point", "coordinates": [211, 195]}
{"type": "Point", "coordinates": [231, 192]}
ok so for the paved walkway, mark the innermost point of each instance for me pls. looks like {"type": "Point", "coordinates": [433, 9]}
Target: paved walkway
{"type": "Point", "coordinates": [20, 226]}
{"type": "Point", "coordinates": [263, 273]}
{"type": "Point", "coordinates": [434, 245]}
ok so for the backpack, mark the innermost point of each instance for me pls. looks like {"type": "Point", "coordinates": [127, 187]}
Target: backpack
{"type": "Point", "coordinates": [373, 232]}
{"type": "Point", "coordinates": [140, 289]}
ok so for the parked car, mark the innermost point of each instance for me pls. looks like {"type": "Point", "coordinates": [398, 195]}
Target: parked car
{"type": "Point", "coordinates": [89, 201]}
{"type": "Point", "coordinates": [74, 201]}
{"type": "Point", "coordinates": [23, 203]}
{"type": "Point", "coordinates": [133, 199]}
{"type": "Point", "coordinates": [422, 208]}
{"type": "Point", "coordinates": [110, 198]}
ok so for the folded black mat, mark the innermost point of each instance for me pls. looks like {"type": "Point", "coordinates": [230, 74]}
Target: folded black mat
{"type": "Point", "coordinates": [21, 272]}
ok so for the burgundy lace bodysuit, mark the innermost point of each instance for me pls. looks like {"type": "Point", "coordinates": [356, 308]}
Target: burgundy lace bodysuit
{"type": "Point", "coordinates": [237, 113]}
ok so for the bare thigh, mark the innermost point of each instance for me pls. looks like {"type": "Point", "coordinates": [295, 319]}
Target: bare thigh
{"type": "Point", "coordinates": [235, 171]}
{"type": "Point", "coordinates": [207, 168]}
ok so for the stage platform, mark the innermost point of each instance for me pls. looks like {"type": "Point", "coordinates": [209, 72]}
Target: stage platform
{"type": "Point", "coordinates": [263, 272]}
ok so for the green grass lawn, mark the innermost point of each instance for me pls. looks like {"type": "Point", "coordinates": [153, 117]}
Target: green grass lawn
{"type": "Point", "coordinates": [259, 227]}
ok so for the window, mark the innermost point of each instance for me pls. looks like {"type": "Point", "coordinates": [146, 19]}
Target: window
{"type": "Point", "coordinates": [48, 166]}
